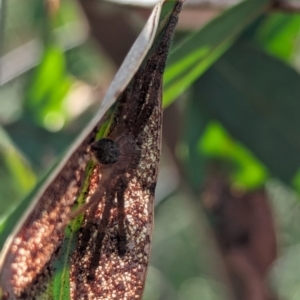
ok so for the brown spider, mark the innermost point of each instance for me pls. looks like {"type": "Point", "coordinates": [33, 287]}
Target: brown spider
{"type": "Point", "coordinates": [118, 156]}
{"type": "Point", "coordinates": [119, 153]}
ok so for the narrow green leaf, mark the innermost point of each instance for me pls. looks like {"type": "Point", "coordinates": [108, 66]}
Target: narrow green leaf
{"type": "Point", "coordinates": [278, 34]}
{"type": "Point", "coordinates": [196, 54]}
{"type": "Point", "coordinates": [16, 163]}
{"type": "Point", "coordinates": [48, 90]}
{"type": "Point", "coordinates": [61, 280]}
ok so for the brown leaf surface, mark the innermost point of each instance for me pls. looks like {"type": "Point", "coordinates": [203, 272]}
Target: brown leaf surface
{"type": "Point", "coordinates": [98, 269]}
{"type": "Point", "coordinates": [118, 276]}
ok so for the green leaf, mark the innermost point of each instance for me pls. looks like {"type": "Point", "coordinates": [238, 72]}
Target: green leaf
{"type": "Point", "coordinates": [196, 54]}
{"type": "Point", "coordinates": [47, 92]}
{"type": "Point", "coordinates": [248, 173]}
{"type": "Point", "coordinates": [256, 97]}
{"type": "Point", "coordinates": [61, 282]}
{"type": "Point", "coordinates": [8, 222]}
{"type": "Point", "coordinates": [195, 122]}
{"type": "Point", "coordinates": [206, 139]}
{"type": "Point", "coordinates": [278, 34]}
{"type": "Point", "coordinates": [16, 163]}
{"type": "Point", "coordinates": [17, 175]}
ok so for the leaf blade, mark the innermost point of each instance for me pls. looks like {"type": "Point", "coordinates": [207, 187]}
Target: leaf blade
{"type": "Point", "coordinates": [248, 88]}
{"type": "Point", "coordinates": [195, 55]}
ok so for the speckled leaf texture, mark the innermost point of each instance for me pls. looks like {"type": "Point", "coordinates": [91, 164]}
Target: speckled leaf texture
{"type": "Point", "coordinates": [53, 254]}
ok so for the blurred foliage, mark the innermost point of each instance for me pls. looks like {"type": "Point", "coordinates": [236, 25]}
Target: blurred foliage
{"type": "Point", "coordinates": [275, 30]}
{"type": "Point", "coordinates": [240, 85]}
{"type": "Point", "coordinates": [216, 142]}
{"type": "Point", "coordinates": [46, 94]}
{"type": "Point", "coordinates": [200, 50]}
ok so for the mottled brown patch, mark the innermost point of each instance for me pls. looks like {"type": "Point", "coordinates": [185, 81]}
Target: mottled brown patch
{"type": "Point", "coordinates": [27, 265]}
{"type": "Point", "coordinates": [118, 272]}
{"type": "Point", "coordinates": [98, 271]}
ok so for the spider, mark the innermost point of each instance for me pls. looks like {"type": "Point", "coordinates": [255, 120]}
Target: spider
{"type": "Point", "coordinates": [119, 153]}
{"type": "Point", "coordinates": [118, 156]}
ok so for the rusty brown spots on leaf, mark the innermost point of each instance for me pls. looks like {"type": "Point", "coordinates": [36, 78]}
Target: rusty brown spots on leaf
{"type": "Point", "coordinates": [113, 250]}
{"type": "Point", "coordinates": [27, 267]}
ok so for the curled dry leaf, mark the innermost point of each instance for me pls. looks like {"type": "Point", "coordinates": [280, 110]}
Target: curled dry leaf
{"type": "Point", "coordinates": [109, 246]}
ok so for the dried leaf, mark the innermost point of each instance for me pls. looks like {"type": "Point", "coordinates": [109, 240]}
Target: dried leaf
{"type": "Point", "coordinates": [110, 258]}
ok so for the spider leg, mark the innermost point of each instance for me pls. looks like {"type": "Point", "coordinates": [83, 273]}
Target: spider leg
{"type": "Point", "coordinates": [109, 199]}
{"type": "Point", "coordinates": [94, 200]}
{"type": "Point", "coordinates": [122, 240]}
{"type": "Point", "coordinates": [90, 226]}
{"type": "Point", "coordinates": [136, 99]}
{"type": "Point", "coordinates": [120, 113]}
{"type": "Point", "coordinates": [150, 103]}
{"type": "Point", "coordinates": [152, 81]}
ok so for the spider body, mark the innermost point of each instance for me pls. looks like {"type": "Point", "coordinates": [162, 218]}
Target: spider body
{"type": "Point", "coordinates": [106, 151]}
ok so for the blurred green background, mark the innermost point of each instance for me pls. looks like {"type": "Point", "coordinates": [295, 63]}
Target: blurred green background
{"type": "Point", "coordinates": [231, 93]}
